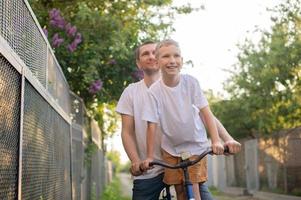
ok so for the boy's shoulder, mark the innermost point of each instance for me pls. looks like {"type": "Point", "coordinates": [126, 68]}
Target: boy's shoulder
{"type": "Point", "coordinates": [188, 77]}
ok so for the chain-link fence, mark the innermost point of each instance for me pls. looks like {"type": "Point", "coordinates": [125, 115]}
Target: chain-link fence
{"type": "Point", "coordinates": [43, 129]}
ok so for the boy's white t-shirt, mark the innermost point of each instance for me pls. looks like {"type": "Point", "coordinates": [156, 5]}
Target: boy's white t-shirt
{"type": "Point", "coordinates": [131, 103]}
{"type": "Point", "coordinates": [177, 109]}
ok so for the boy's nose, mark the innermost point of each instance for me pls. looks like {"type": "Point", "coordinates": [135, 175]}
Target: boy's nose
{"type": "Point", "coordinates": [172, 59]}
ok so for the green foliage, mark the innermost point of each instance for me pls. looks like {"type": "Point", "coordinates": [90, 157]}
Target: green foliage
{"type": "Point", "coordinates": [90, 149]}
{"type": "Point", "coordinates": [125, 167]}
{"type": "Point", "coordinates": [107, 118]}
{"type": "Point", "coordinates": [114, 156]}
{"type": "Point", "coordinates": [265, 86]}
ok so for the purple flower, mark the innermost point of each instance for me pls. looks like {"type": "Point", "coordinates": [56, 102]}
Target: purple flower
{"type": "Point", "coordinates": [70, 30]}
{"type": "Point", "coordinates": [56, 40]}
{"type": "Point", "coordinates": [78, 39]}
{"type": "Point", "coordinates": [56, 20]}
{"type": "Point", "coordinates": [112, 62]}
{"type": "Point", "coordinates": [71, 47]}
{"type": "Point", "coordinates": [95, 86]}
{"type": "Point", "coordinates": [53, 13]}
{"type": "Point", "coordinates": [137, 75]}
{"type": "Point", "coordinates": [45, 31]}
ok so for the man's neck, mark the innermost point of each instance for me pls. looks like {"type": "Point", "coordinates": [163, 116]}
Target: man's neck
{"type": "Point", "coordinates": [150, 79]}
{"type": "Point", "coordinates": [171, 81]}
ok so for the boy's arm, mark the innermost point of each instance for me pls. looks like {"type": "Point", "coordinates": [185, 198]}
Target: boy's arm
{"type": "Point", "coordinates": [209, 120]}
{"type": "Point", "coordinates": [129, 143]}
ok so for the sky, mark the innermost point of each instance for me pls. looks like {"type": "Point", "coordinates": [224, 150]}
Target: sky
{"type": "Point", "coordinates": [208, 38]}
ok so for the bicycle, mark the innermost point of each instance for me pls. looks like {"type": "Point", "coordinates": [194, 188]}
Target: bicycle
{"type": "Point", "coordinates": [184, 164]}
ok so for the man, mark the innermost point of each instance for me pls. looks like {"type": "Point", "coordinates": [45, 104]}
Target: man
{"type": "Point", "coordinates": [148, 185]}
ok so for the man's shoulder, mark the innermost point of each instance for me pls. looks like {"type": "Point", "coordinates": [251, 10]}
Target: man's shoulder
{"type": "Point", "coordinates": [155, 86]}
{"type": "Point", "coordinates": [133, 87]}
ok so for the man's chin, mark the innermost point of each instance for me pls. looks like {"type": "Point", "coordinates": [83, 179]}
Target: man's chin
{"type": "Point", "coordinates": [150, 71]}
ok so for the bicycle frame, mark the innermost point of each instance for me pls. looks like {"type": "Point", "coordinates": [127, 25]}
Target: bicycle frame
{"type": "Point", "coordinates": [184, 164]}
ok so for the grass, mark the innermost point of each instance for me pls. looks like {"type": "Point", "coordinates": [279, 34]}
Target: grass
{"type": "Point", "coordinates": [113, 191]}
{"type": "Point", "coordinates": [214, 191]}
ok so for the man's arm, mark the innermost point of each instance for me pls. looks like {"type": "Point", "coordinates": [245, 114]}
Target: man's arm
{"type": "Point", "coordinates": [234, 146]}
{"type": "Point", "coordinates": [129, 143]}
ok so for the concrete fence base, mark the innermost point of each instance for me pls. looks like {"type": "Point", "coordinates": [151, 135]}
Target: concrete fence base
{"type": "Point", "coordinates": [274, 196]}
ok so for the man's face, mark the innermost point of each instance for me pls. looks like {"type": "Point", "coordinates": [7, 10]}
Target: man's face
{"type": "Point", "coordinates": [147, 60]}
{"type": "Point", "coordinates": [170, 60]}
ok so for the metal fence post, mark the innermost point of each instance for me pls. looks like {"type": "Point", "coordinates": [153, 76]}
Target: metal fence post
{"type": "Point", "coordinates": [21, 137]}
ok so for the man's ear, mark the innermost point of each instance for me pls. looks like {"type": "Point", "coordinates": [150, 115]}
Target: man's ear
{"type": "Point", "coordinates": [138, 64]}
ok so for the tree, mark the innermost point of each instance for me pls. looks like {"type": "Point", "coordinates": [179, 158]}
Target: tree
{"type": "Point", "coordinates": [265, 86]}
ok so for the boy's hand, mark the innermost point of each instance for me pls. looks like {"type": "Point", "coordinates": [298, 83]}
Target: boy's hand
{"type": "Point", "coordinates": [144, 166]}
{"type": "Point", "coordinates": [217, 148]}
{"type": "Point", "coordinates": [234, 146]}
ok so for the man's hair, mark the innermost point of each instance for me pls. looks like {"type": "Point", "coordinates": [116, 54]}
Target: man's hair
{"type": "Point", "coordinates": [137, 51]}
{"type": "Point", "coordinates": [166, 42]}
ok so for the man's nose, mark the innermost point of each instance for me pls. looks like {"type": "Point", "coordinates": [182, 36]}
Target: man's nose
{"type": "Point", "coordinates": [152, 56]}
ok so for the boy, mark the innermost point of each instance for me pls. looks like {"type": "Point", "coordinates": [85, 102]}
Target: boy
{"type": "Point", "coordinates": [175, 102]}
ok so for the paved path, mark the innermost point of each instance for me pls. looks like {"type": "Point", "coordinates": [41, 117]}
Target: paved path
{"type": "Point", "coordinates": [126, 184]}
{"type": "Point", "coordinates": [232, 197]}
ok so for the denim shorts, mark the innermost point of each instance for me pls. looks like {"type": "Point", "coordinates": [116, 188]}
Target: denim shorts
{"type": "Point", "coordinates": [150, 189]}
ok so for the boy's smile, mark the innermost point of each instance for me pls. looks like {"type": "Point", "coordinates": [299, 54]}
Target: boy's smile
{"type": "Point", "coordinates": [170, 60]}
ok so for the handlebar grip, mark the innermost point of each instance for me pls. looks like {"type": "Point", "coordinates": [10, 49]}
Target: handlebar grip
{"type": "Point", "coordinates": [226, 149]}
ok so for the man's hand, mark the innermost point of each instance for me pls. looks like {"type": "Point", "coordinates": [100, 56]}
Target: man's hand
{"type": "Point", "coordinates": [145, 164]}
{"type": "Point", "coordinates": [234, 146]}
{"type": "Point", "coordinates": [217, 148]}
{"type": "Point", "coordinates": [135, 169]}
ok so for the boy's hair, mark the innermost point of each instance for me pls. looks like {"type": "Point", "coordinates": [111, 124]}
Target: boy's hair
{"type": "Point", "coordinates": [137, 50]}
{"type": "Point", "coordinates": [166, 42]}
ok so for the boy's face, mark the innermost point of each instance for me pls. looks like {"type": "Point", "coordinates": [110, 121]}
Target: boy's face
{"type": "Point", "coordinates": [147, 60]}
{"type": "Point", "coordinates": [169, 60]}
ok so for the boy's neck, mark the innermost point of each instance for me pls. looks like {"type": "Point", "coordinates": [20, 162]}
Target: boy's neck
{"type": "Point", "coordinates": [171, 81]}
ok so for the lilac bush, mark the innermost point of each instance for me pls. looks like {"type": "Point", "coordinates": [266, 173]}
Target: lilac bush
{"type": "Point", "coordinates": [137, 75]}
{"type": "Point", "coordinates": [95, 86]}
{"type": "Point", "coordinates": [63, 32]}
{"type": "Point", "coordinates": [57, 40]}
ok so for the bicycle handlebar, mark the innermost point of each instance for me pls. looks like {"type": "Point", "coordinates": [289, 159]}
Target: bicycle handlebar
{"type": "Point", "coordinates": [186, 163]}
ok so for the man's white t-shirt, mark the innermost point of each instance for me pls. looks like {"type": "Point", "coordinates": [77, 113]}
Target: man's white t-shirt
{"type": "Point", "coordinates": [131, 103]}
{"type": "Point", "coordinates": [177, 109]}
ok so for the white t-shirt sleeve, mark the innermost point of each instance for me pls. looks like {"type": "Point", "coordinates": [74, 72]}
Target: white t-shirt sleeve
{"type": "Point", "coordinates": [199, 99]}
{"type": "Point", "coordinates": [125, 103]}
{"type": "Point", "coordinates": [150, 110]}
